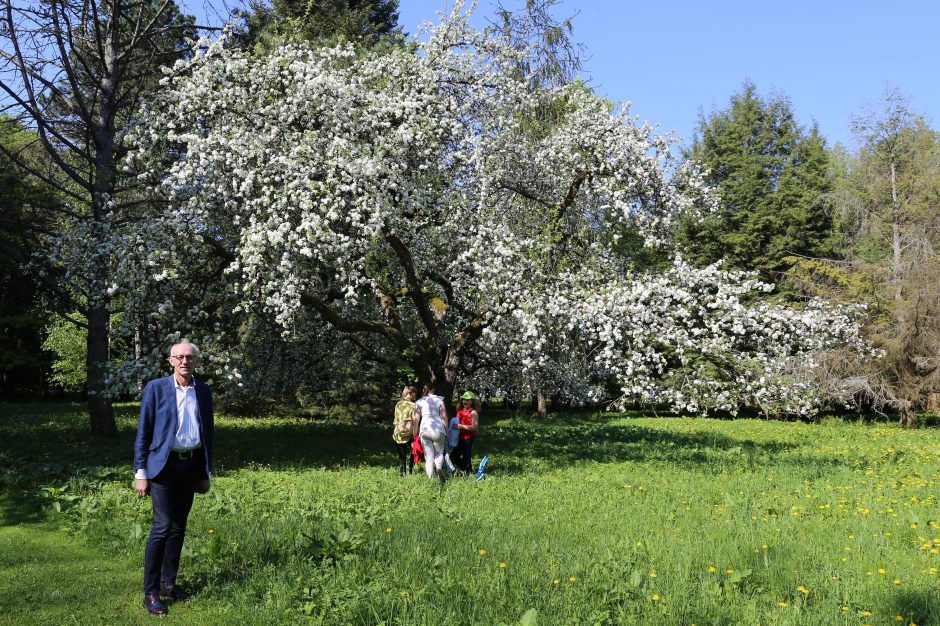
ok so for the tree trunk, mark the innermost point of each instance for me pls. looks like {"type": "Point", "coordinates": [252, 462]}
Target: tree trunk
{"type": "Point", "coordinates": [933, 402]}
{"type": "Point", "coordinates": [895, 234]}
{"type": "Point", "coordinates": [907, 415]}
{"type": "Point", "coordinates": [138, 350]}
{"type": "Point", "coordinates": [542, 402]}
{"type": "Point", "coordinates": [443, 382]}
{"type": "Point", "coordinates": [100, 411]}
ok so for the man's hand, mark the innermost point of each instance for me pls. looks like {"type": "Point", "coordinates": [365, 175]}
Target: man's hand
{"type": "Point", "coordinates": [142, 487]}
{"type": "Point", "coordinates": [202, 486]}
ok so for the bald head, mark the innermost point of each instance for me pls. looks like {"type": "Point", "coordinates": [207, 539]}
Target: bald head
{"type": "Point", "coordinates": [183, 359]}
{"type": "Point", "coordinates": [191, 346]}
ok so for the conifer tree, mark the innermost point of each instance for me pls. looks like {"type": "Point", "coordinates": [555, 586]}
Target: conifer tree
{"type": "Point", "coordinates": [771, 174]}
{"type": "Point", "coordinates": [364, 21]}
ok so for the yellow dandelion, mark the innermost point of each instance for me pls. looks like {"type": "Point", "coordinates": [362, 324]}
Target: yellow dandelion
{"type": "Point", "coordinates": [482, 552]}
{"type": "Point", "coordinates": [652, 574]}
{"type": "Point", "coordinates": [211, 530]}
{"type": "Point", "coordinates": [898, 618]}
{"type": "Point", "coordinates": [556, 581]}
{"type": "Point", "coordinates": [896, 581]}
{"type": "Point", "coordinates": [712, 569]}
{"type": "Point", "coordinates": [802, 589]}
{"type": "Point", "coordinates": [502, 565]}
{"type": "Point", "coordinates": [572, 578]}
{"type": "Point", "coordinates": [881, 570]}
{"type": "Point", "coordinates": [730, 570]}
{"type": "Point", "coordinates": [388, 530]}
{"type": "Point", "coordinates": [655, 597]}
{"type": "Point", "coordinates": [845, 609]}
{"type": "Point", "coordinates": [782, 604]}
{"type": "Point", "coordinates": [866, 613]}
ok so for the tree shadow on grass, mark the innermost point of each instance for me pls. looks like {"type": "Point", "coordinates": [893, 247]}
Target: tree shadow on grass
{"type": "Point", "coordinates": [16, 509]}
{"type": "Point", "coordinates": [515, 446]}
{"type": "Point", "coordinates": [296, 444]}
{"type": "Point", "coordinates": [48, 445]}
{"type": "Point", "coordinates": [918, 608]}
{"type": "Point", "coordinates": [570, 443]}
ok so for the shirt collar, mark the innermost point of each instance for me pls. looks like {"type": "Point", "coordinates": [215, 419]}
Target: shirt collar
{"type": "Point", "coordinates": [176, 383]}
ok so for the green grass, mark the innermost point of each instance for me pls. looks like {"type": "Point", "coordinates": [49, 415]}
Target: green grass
{"type": "Point", "coordinates": [590, 520]}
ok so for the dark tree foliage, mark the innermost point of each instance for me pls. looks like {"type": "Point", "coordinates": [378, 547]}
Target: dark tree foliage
{"type": "Point", "coordinates": [363, 21]}
{"type": "Point", "coordinates": [23, 367]}
{"type": "Point", "coordinates": [772, 175]}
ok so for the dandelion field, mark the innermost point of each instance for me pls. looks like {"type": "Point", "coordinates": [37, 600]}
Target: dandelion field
{"type": "Point", "coordinates": [582, 520]}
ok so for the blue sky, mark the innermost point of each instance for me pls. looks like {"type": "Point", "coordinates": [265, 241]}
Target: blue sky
{"type": "Point", "coordinates": [675, 58]}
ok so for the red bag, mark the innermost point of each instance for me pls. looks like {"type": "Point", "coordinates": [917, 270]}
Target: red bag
{"type": "Point", "coordinates": [417, 450]}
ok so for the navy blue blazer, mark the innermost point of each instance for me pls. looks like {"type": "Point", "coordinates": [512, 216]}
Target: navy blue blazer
{"type": "Point", "coordinates": [158, 423]}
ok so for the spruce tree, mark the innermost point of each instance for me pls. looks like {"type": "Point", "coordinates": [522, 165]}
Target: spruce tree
{"type": "Point", "coordinates": [772, 175]}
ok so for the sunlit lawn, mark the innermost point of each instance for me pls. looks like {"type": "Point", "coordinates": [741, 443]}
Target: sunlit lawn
{"type": "Point", "coordinates": [597, 519]}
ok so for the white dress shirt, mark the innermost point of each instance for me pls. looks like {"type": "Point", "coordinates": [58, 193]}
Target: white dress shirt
{"type": "Point", "coordinates": [187, 431]}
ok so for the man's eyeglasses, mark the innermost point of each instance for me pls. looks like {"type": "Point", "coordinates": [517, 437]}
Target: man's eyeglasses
{"type": "Point", "coordinates": [184, 357]}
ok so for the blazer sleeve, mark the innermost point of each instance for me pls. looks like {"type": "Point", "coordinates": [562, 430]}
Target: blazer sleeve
{"type": "Point", "coordinates": [148, 411]}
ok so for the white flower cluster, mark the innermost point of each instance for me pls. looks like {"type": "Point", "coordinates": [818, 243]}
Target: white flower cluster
{"type": "Point", "coordinates": [365, 180]}
{"type": "Point", "coordinates": [701, 340]}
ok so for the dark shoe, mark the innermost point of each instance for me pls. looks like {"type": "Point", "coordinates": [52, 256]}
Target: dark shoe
{"type": "Point", "coordinates": [174, 593]}
{"type": "Point", "coordinates": [153, 605]}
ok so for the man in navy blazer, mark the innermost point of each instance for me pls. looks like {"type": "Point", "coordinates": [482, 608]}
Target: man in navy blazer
{"type": "Point", "coordinates": [172, 462]}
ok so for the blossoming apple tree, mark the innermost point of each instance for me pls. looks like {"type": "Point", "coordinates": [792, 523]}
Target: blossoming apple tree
{"type": "Point", "coordinates": [416, 203]}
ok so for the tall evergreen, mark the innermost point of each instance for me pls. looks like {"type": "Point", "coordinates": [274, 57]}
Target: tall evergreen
{"type": "Point", "coordinates": [268, 22]}
{"type": "Point", "coordinates": [772, 175]}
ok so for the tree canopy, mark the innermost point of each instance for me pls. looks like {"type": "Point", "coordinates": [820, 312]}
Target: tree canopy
{"type": "Point", "coordinates": [404, 198]}
{"type": "Point", "coordinates": [75, 71]}
{"type": "Point", "coordinates": [361, 21]}
{"type": "Point", "coordinates": [772, 176]}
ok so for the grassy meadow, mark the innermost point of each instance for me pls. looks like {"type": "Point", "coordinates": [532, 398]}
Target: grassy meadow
{"type": "Point", "coordinates": [600, 519]}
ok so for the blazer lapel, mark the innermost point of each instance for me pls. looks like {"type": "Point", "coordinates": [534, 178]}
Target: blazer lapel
{"type": "Point", "coordinates": [171, 381]}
